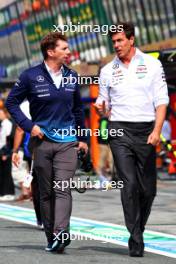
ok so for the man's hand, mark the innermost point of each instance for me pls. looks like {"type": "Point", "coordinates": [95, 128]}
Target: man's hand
{"type": "Point", "coordinates": [154, 138]}
{"type": "Point", "coordinates": [16, 159]}
{"type": "Point", "coordinates": [4, 157]}
{"type": "Point", "coordinates": [84, 146]}
{"type": "Point", "coordinates": [36, 132]}
{"type": "Point", "coordinates": [101, 109]}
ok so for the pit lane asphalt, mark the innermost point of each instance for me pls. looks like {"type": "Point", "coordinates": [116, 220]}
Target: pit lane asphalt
{"type": "Point", "coordinates": [24, 244]}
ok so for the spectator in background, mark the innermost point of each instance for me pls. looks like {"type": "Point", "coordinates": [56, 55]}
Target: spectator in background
{"type": "Point", "coordinates": [165, 141]}
{"type": "Point", "coordinates": [1, 104]}
{"type": "Point", "coordinates": [3, 71]}
{"type": "Point", "coordinates": [6, 182]}
{"type": "Point", "coordinates": [18, 158]}
{"type": "Point", "coordinates": [166, 129]}
{"type": "Point", "coordinates": [105, 163]}
{"type": "Point", "coordinates": [21, 164]}
{"type": "Point", "coordinates": [20, 167]}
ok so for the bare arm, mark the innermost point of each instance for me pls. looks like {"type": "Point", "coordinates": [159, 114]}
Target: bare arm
{"type": "Point", "coordinates": [154, 137]}
{"type": "Point", "coordinates": [19, 133]}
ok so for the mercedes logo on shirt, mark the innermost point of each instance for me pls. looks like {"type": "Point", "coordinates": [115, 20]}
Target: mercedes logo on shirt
{"type": "Point", "coordinates": [115, 66]}
{"type": "Point", "coordinates": [40, 78]}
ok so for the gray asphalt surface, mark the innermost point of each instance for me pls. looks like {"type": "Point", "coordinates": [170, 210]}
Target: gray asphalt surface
{"type": "Point", "coordinates": [21, 243]}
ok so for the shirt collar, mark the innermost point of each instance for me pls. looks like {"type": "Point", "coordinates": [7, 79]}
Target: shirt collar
{"type": "Point", "coordinates": [52, 72]}
{"type": "Point", "coordinates": [137, 55]}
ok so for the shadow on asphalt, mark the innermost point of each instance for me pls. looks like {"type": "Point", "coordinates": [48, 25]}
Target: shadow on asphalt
{"type": "Point", "coordinates": [119, 251]}
{"type": "Point", "coordinates": [20, 247]}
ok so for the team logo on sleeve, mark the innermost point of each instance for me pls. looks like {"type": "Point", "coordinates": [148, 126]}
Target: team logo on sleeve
{"type": "Point", "coordinates": [17, 82]}
{"type": "Point", "coordinates": [40, 78]}
{"type": "Point", "coordinates": [163, 74]}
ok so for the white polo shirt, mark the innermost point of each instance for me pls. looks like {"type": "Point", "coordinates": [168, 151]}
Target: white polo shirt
{"type": "Point", "coordinates": [133, 93]}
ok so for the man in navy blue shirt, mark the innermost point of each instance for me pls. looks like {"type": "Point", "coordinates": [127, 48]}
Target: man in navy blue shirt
{"type": "Point", "coordinates": [57, 113]}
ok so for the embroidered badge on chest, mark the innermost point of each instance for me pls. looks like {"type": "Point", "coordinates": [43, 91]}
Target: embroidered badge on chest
{"type": "Point", "coordinates": [141, 71]}
{"type": "Point", "coordinates": [40, 78]}
{"type": "Point", "coordinates": [117, 76]}
{"type": "Point", "coordinates": [115, 66]}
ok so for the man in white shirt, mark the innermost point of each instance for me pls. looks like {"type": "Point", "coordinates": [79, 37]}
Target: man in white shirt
{"type": "Point", "coordinates": [133, 88]}
{"type": "Point", "coordinates": [166, 130]}
{"type": "Point", "coordinates": [5, 129]}
{"type": "Point", "coordinates": [16, 160]}
{"type": "Point", "coordinates": [7, 190]}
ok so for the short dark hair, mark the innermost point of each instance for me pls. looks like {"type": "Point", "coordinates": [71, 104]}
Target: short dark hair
{"type": "Point", "coordinates": [49, 42]}
{"type": "Point", "coordinates": [128, 29]}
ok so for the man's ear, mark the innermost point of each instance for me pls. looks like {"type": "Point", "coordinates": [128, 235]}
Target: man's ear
{"type": "Point", "coordinates": [50, 52]}
{"type": "Point", "coordinates": [132, 40]}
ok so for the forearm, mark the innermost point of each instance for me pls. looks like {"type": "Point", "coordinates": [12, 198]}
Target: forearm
{"type": "Point", "coordinates": [160, 117]}
{"type": "Point", "coordinates": [18, 138]}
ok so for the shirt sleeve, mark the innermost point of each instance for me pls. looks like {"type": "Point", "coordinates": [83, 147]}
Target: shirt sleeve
{"type": "Point", "coordinates": [103, 89]}
{"type": "Point", "coordinates": [160, 87]}
{"type": "Point", "coordinates": [16, 96]}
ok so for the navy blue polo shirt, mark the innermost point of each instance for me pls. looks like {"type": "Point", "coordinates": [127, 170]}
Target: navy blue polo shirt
{"type": "Point", "coordinates": [58, 112]}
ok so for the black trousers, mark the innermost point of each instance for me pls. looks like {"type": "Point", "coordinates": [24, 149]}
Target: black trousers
{"type": "Point", "coordinates": [6, 180]}
{"type": "Point", "coordinates": [135, 161]}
